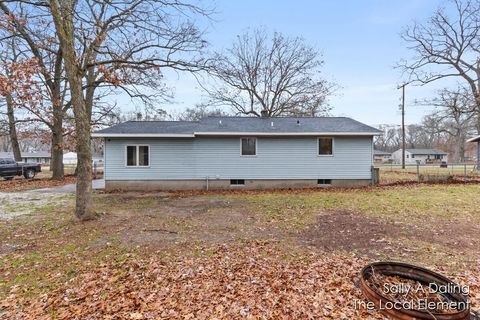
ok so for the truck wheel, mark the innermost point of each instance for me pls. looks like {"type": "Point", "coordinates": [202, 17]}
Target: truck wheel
{"type": "Point", "coordinates": [8, 178]}
{"type": "Point", "coordinates": [29, 174]}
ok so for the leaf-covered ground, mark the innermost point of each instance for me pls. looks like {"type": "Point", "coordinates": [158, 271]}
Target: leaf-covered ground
{"type": "Point", "coordinates": [21, 184]}
{"type": "Point", "coordinates": [269, 255]}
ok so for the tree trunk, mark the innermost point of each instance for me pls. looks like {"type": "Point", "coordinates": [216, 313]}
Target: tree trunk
{"type": "Point", "coordinates": [62, 13]}
{"type": "Point", "coordinates": [478, 155]}
{"type": "Point", "coordinates": [83, 208]}
{"type": "Point", "coordinates": [459, 147]}
{"type": "Point", "coordinates": [478, 122]}
{"type": "Point", "coordinates": [56, 163]}
{"type": "Point", "coordinates": [12, 130]}
{"type": "Point", "coordinates": [84, 167]}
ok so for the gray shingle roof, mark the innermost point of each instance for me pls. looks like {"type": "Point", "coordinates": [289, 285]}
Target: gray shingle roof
{"type": "Point", "coordinates": [37, 154]}
{"type": "Point", "coordinates": [426, 151]}
{"type": "Point", "coordinates": [381, 153]}
{"type": "Point", "coordinates": [242, 125]}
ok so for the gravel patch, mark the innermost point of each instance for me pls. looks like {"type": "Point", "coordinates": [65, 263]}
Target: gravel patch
{"type": "Point", "coordinates": [14, 204]}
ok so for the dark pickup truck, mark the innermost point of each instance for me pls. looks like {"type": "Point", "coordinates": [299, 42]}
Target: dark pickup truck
{"type": "Point", "coordinates": [9, 169]}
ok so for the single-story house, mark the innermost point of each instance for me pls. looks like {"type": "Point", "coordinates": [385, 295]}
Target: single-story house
{"type": "Point", "coordinates": [477, 140]}
{"type": "Point", "coordinates": [70, 158]}
{"type": "Point", "coordinates": [380, 156]}
{"type": "Point", "coordinates": [42, 157]}
{"type": "Point", "coordinates": [238, 152]}
{"type": "Point", "coordinates": [422, 156]}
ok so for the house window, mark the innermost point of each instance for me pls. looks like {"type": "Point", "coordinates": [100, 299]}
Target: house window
{"type": "Point", "coordinates": [143, 156]}
{"type": "Point", "coordinates": [325, 146]}
{"type": "Point", "coordinates": [248, 146]}
{"type": "Point", "coordinates": [138, 156]}
{"type": "Point", "coordinates": [131, 155]}
{"type": "Point", "coordinates": [413, 156]}
{"type": "Point", "coordinates": [324, 181]}
{"type": "Point", "coordinates": [237, 182]}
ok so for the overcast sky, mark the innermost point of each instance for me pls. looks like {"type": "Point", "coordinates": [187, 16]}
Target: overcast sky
{"type": "Point", "coordinates": [360, 41]}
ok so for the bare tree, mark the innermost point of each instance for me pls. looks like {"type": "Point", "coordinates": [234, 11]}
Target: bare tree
{"type": "Point", "coordinates": [11, 124]}
{"type": "Point", "coordinates": [453, 116]}
{"type": "Point", "coordinates": [447, 46]}
{"type": "Point", "coordinates": [34, 36]}
{"type": "Point", "coordinates": [12, 128]}
{"type": "Point", "coordinates": [200, 111]}
{"type": "Point", "coordinates": [123, 44]}
{"type": "Point", "coordinates": [389, 140]}
{"type": "Point", "coordinates": [142, 114]}
{"type": "Point", "coordinates": [16, 88]}
{"type": "Point", "coordinates": [270, 76]}
{"type": "Point", "coordinates": [417, 136]}
{"type": "Point", "coordinates": [423, 135]}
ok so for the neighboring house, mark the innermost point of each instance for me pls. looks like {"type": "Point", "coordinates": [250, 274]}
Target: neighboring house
{"type": "Point", "coordinates": [477, 140]}
{"type": "Point", "coordinates": [238, 152]}
{"type": "Point", "coordinates": [70, 158]}
{"type": "Point", "coordinates": [422, 156]}
{"type": "Point", "coordinates": [42, 157]}
{"type": "Point", "coordinates": [381, 156]}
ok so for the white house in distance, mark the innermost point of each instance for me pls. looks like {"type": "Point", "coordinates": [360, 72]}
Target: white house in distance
{"type": "Point", "coordinates": [70, 158]}
{"type": "Point", "coordinates": [422, 156]}
{"type": "Point", "coordinates": [42, 157]}
{"type": "Point", "coordinates": [380, 156]}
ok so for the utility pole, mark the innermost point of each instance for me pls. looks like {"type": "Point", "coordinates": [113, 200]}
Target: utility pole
{"type": "Point", "coordinates": [403, 124]}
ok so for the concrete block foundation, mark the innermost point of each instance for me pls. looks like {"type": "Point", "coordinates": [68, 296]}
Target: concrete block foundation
{"type": "Point", "coordinates": [221, 184]}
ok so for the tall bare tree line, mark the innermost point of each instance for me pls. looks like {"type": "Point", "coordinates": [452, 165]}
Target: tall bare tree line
{"type": "Point", "coordinates": [447, 127]}
{"type": "Point", "coordinates": [447, 46]}
{"type": "Point", "coordinates": [269, 74]}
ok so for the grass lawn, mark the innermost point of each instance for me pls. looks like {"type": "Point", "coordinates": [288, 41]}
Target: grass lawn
{"type": "Point", "coordinates": [275, 254]}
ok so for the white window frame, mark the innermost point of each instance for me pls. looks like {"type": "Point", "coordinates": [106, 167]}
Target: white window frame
{"type": "Point", "coordinates": [318, 147]}
{"type": "Point", "coordinates": [137, 147]}
{"type": "Point", "coordinates": [256, 147]}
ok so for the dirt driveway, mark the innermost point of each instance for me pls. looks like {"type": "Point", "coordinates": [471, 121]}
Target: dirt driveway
{"type": "Point", "coordinates": [14, 204]}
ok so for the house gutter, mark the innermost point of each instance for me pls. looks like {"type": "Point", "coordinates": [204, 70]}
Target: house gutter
{"type": "Point", "coordinates": [140, 135]}
{"type": "Point", "coordinates": [287, 134]}
{"type": "Point", "coordinates": [232, 134]}
{"type": "Point", "coordinates": [474, 139]}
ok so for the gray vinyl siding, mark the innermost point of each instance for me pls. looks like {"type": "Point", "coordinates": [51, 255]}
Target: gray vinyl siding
{"type": "Point", "coordinates": [219, 158]}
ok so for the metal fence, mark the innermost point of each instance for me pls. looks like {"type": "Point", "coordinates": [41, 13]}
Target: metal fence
{"type": "Point", "coordinates": [394, 171]}
{"type": "Point", "coordinates": [70, 168]}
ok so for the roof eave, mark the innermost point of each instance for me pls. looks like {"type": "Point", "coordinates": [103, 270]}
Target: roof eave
{"type": "Point", "coordinates": [170, 135]}
{"type": "Point", "coordinates": [140, 135]}
{"type": "Point", "coordinates": [474, 139]}
{"type": "Point", "coordinates": [287, 133]}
